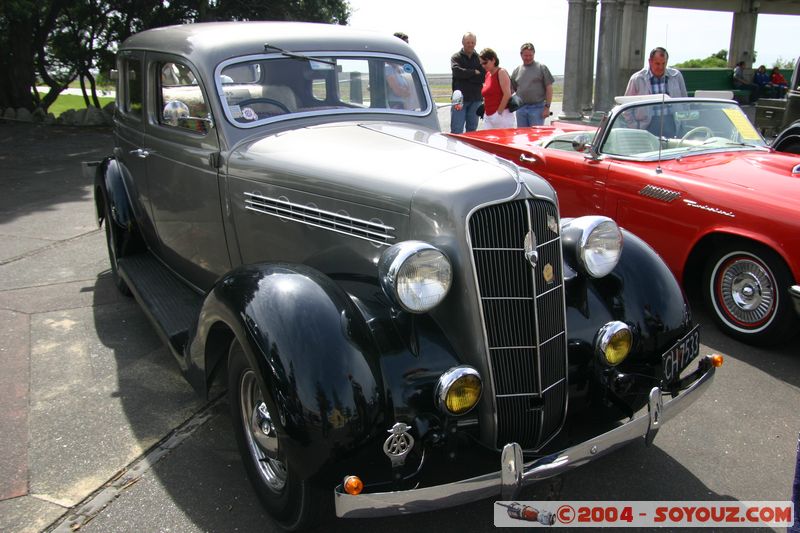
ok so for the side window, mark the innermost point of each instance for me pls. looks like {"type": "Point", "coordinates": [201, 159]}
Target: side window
{"type": "Point", "coordinates": [132, 94]}
{"type": "Point", "coordinates": [182, 102]}
{"type": "Point", "coordinates": [353, 76]}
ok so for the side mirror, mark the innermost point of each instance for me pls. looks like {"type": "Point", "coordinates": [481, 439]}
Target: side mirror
{"type": "Point", "coordinates": [174, 111]}
{"type": "Point", "coordinates": [580, 143]}
{"type": "Point", "coordinates": [457, 100]}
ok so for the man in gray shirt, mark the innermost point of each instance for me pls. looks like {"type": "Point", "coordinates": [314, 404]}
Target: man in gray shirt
{"type": "Point", "coordinates": [533, 83]}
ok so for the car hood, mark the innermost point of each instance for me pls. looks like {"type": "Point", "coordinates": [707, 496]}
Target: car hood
{"type": "Point", "coordinates": [378, 164]}
{"type": "Point", "coordinates": [522, 137]}
{"type": "Point", "coordinates": [769, 174]}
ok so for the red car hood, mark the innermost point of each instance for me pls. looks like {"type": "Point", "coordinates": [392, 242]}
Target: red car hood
{"type": "Point", "coordinates": [767, 173]}
{"type": "Point", "coordinates": [522, 137]}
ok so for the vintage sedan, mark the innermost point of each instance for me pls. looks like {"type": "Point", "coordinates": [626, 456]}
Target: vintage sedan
{"type": "Point", "coordinates": [699, 186]}
{"type": "Point", "coordinates": [403, 321]}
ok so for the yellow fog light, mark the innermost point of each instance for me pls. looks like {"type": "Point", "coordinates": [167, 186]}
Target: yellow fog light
{"type": "Point", "coordinates": [716, 360]}
{"type": "Point", "coordinates": [353, 485]}
{"type": "Point", "coordinates": [458, 390]}
{"type": "Point", "coordinates": [614, 342]}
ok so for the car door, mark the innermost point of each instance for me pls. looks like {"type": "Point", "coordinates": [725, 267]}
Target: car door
{"type": "Point", "coordinates": [129, 137]}
{"type": "Point", "coordinates": [579, 181]}
{"type": "Point", "coordinates": [649, 202]}
{"type": "Point", "coordinates": [183, 179]}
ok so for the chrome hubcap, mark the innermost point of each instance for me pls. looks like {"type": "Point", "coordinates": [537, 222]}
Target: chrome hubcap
{"type": "Point", "coordinates": [748, 292]}
{"type": "Point", "coordinates": [262, 439]}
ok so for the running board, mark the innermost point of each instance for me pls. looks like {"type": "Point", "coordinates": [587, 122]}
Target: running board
{"type": "Point", "coordinates": [170, 305]}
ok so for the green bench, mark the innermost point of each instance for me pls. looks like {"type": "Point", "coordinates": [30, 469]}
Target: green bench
{"type": "Point", "coordinates": [717, 79]}
{"type": "Point", "coordinates": [713, 79]}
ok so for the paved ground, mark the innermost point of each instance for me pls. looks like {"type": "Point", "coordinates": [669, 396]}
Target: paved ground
{"type": "Point", "coordinates": [99, 432]}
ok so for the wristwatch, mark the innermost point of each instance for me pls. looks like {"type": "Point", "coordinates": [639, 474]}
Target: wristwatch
{"type": "Point", "coordinates": [547, 104]}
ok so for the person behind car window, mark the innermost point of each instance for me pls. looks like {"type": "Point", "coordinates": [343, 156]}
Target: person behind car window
{"type": "Point", "coordinates": [778, 82]}
{"type": "Point", "coordinates": [740, 82]}
{"type": "Point", "coordinates": [401, 92]}
{"type": "Point", "coordinates": [533, 83]}
{"type": "Point", "coordinates": [657, 78]}
{"type": "Point", "coordinates": [468, 76]}
{"type": "Point", "coordinates": [496, 92]}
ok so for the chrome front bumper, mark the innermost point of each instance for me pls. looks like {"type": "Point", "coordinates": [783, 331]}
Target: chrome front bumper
{"type": "Point", "coordinates": [794, 292]}
{"type": "Point", "coordinates": [515, 474]}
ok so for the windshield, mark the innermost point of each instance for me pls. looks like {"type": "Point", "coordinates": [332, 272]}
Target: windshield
{"type": "Point", "coordinates": [672, 129]}
{"type": "Point", "coordinates": [257, 90]}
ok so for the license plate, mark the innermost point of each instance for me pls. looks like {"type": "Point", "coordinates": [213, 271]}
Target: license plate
{"type": "Point", "coordinates": [681, 354]}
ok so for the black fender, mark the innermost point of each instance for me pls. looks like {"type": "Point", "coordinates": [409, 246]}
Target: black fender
{"type": "Point", "coordinates": [313, 353]}
{"type": "Point", "coordinates": [111, 185]}
{"type": "Point", "coordinates": [641, 292]}
{"type": "Point", "coordinates": [789, 139]}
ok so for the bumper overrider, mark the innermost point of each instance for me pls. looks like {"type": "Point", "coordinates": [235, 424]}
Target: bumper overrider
{"type": "Point", "coordinates": [514, 474]}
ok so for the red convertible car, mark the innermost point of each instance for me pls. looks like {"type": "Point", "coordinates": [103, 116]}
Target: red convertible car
{"type": "Point", "coordinates": [694, 179]}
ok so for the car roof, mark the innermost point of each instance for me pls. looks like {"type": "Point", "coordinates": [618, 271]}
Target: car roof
{"type": "Point", "coordinates": [212, 42]}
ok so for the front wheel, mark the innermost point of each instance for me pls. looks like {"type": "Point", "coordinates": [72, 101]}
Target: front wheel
{"type": "Point", "coordinates": [286, 497]}
{"type": "Point", "coordinates": [745, 286]}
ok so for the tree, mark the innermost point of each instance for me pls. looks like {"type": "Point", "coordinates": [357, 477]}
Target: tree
{"type": "Point", "coordinates": [718, 60]}
{"type": "Point", "coordinates": [59, 41]}
{"type": "Point", "coordinates": [784, 63]}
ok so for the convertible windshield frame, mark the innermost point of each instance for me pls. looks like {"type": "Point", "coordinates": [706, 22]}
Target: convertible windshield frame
{"type": "Point", "coordinates": [410, 68]}
{"type": "Point", "coordinates": [699, 126]}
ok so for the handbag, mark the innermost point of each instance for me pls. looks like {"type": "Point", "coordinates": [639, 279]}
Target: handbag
{"type": "Point", "coordinates": [514, 103]}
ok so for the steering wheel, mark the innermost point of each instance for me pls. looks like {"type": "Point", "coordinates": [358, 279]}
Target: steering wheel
{"type": "Point", "coordinates": [270, 101]}
{"type": "Point", "coordinates": [694, 131]}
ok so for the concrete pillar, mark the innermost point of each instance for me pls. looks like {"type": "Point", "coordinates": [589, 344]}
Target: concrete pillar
{"type": "Point", "coordinates": [573, 58]}
{"type": "Point", "coordinates": [743, 34]}
{"type": "Point", "coordinates": [587, 57]}
{"type": "Point", "coordinates": [607, 55]}
{"type": "Point", "coordinates": [633, 56]}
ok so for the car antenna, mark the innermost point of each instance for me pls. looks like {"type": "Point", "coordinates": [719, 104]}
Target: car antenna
{"type": "Point", "coordinates": [660, 133]}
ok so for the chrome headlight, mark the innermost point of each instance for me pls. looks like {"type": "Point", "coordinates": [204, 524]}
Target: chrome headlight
{"type": "Point", "coordinates": [592, 244]}
{"type": "Point", "coordinates": [458, 390]}
{"type": "Point", "coordinates": [415, 275]}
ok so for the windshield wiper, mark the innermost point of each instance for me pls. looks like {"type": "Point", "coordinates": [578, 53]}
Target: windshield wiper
{"type": "Point", "coordinates": [711, 144]}
{"type": "Point", "coordinates": [294, 55]}
{"type": "Point", "coordinates": [747, 145]}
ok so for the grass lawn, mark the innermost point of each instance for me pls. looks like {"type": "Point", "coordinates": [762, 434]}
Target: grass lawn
{"type": "Point", "coordinates": [72, 101]}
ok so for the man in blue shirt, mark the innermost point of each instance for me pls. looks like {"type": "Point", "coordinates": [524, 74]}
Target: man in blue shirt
{"type": "Point", "coordinates": [657, 78]}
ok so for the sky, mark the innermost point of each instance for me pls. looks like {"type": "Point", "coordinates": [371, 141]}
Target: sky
{"type": "Point", "coordinates": [435, 28]}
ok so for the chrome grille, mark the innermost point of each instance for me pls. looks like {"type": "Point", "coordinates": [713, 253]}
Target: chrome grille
{"type": "Point", "coordinates": [524, 320]}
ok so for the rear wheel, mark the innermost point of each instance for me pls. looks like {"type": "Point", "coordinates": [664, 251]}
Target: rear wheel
{"type": "Point", "coordinates": [118, 241]}
{"type": "Point", "coordinates": [286, 497]}
{"type": "Point", "coordinates": [745, 287]}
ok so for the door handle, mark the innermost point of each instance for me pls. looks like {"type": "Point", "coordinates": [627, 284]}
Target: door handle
{"type": "Point", "coordinates": [527, 159]}
{"type": "Point", "coordinates": [141, 152]}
